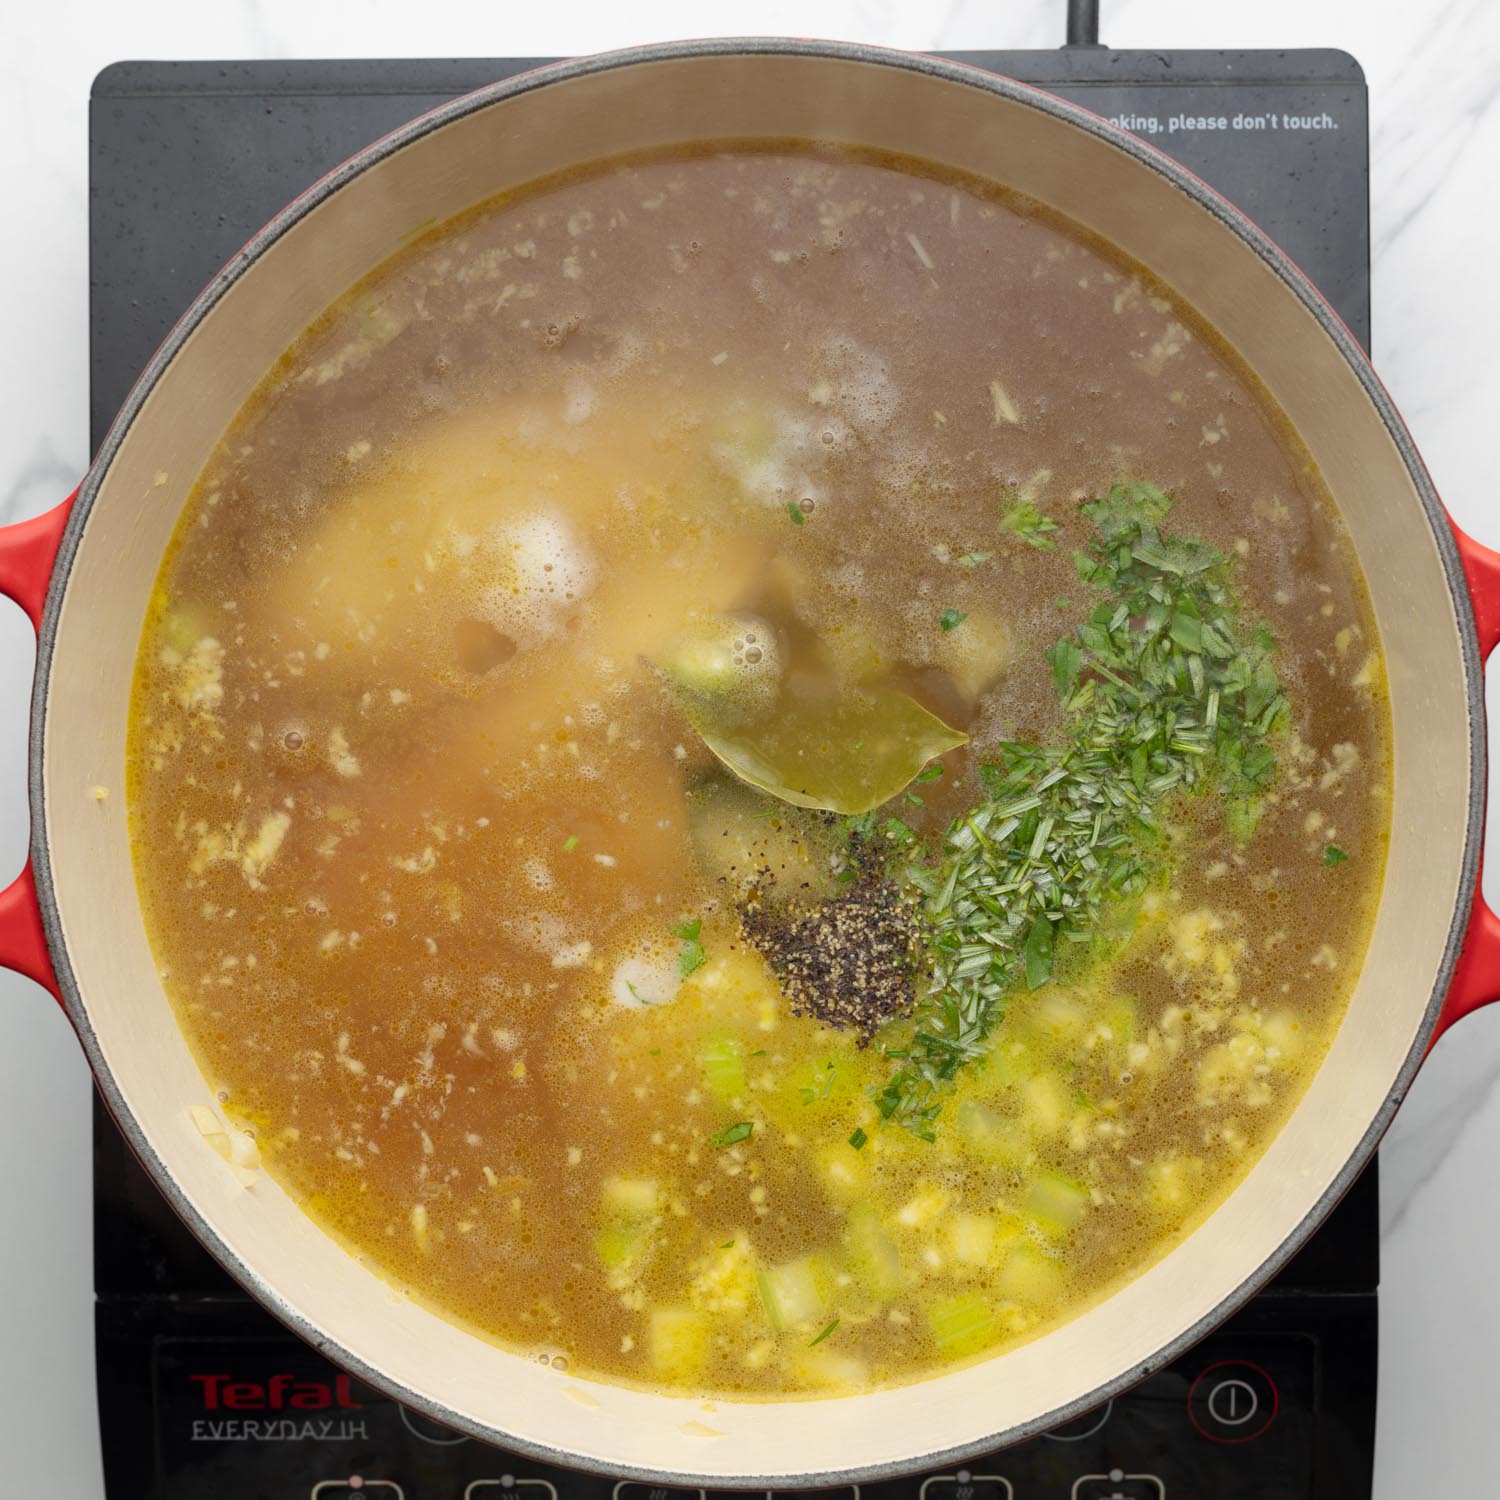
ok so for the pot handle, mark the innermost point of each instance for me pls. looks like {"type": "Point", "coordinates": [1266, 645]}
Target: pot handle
{"type": "Point", "coordinates": [1476, 977]}
{"type": "Point", "coordinates": [27, 551]}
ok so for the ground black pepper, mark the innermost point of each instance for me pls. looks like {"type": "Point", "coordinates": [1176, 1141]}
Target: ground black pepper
{"type": "Point", "coordinates": [847, 961]}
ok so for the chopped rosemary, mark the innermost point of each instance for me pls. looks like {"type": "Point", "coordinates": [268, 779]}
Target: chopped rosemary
{"type": "Point", "coordinates": [824, 1334]}
{"type": "Point", "coordinates": [1333, 855]}
{"type": "Point", "coordinates": [951, 619]}
{"type": "Point", "coordinates": [1024, 520]}
{"type": "Point", "coordinates": [731, 1135]}
{"type": "Point", "coordinates": [1166, 692]}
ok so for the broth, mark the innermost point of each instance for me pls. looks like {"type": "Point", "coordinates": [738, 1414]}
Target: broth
{"type": "Point", "coordinates": [610, 1053]}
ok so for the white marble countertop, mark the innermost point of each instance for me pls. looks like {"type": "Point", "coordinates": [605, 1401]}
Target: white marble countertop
{"type": "Point", "coordinates": [1434, 76]}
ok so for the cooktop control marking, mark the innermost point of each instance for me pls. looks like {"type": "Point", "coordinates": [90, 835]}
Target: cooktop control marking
{"type": "Point", "coordinates": [357, 1484]}
{"type": "Point", "coordinates": [1081, 1427]}
{"type": "Point", "coordinates": [837, 1493]}
{"type": "Point", "coordinates": [966, 1486]}
{"type": "Point", "coordinates": [634, 1489]}
{"type": "Point", "coordinates": [510, 1482]}
{"type": "Point", "coordinates": [429, 1431]}
{"type": "Point", "coordinates": [1233, 1401]}
{"type": "Point", "coordinates": [1117, 1485]}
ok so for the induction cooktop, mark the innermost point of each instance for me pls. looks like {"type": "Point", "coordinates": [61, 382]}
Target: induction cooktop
{"type": "Point", "coordinates": [203, 1395]}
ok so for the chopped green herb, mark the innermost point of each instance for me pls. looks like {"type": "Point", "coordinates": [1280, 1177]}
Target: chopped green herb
{"type": "Point", "coordinates": [858, 1139]}
{"type": "Point", "coordinates": [824, 1334]}
{"type": "Point", "coordinates": [899, 833]}
{"type": "Point", "coordinates": [819, 1090]}
{"type": "Point", "coordinates": [1036, 951]}
{"type": "Point", "coordinates": [951, 619]}
{"type": "Point", "coordinates": [727, 1245]}
{"type": "Point", "coordinates": [570, 843]}
{"type": "Point", "coordinates": [795, 511]}
{"type": "Point", "coordinates": [1065, 660]}
{"type": "Point", "coordinates": [1167, 692]}
{"type": "Point", "coordinates": [1333, 855]}
{"type": "Point", "coordinates": [759, 1052]}
{"type": "Point", "coordinates": [973, 559]}
{"type": "Point", "coordinates": [1024, 520]}
{"type": "Point", "coordinates": [691, 956]}
{"type": "Point", "coordinates": [656, 1052]}
{"type": "Point", "coordinates": [731, 1135]}
{"type": "Point", "coordinates": [930, 772]}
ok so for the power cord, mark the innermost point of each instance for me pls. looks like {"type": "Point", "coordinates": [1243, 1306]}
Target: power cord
{"type": "Point", "coordinates": [1083, 23]}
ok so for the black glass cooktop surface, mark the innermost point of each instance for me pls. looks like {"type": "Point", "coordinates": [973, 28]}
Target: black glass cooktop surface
{"type": "Point", "coordinates": [205, 1397]}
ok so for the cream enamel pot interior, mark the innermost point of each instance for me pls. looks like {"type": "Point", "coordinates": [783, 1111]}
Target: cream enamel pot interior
{"type": "Point", "coordinates": [72, 920]}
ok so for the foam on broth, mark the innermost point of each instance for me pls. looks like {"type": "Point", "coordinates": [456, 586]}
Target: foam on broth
{"type": "Point", "coordinates": [410, 804]}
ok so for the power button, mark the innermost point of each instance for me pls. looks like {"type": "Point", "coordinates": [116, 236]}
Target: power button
{"type": "Point", "coordinates": [1233, 1401]}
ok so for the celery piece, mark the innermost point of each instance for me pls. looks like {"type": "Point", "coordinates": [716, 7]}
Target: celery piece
{"type": "Point", "coordinates": [723, 1059]}
{"type": "Point", "coordinates": [990, 1134]}
{"type": "Point", "coordinates": [973, 1238]}
{"type": "Point", "coordinates": [962, 1324]}
{"type": "Point", "coordinates": [789, 1293]}
{"type": "Point", "coordinates": [1056, 1203]}
{"type": "Point", "coordinates": [1119, 1017]}
{"type": "Point", "coordinates": [621, 1248]}
{"type": "Point", "coordinates": [831, 1369]}
{"type": "Point", "coordinates": [629, 1214]}
{"type": "Point", "coordinates": [1058, 1015]}
{"type": "Point", "coordinates": [1030, 1276]}
{"type": "Point", "coordinates": [1046, 1103]}
{"type": "Point", "coordinates": [678, 1340]}
{"type": "Point", "coordinates": [873, 1256]}
{"type": "Point", "coordinates": [630, 1199]}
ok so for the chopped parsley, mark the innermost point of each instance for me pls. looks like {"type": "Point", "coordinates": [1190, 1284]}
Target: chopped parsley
{"type": "Point", "coordinates": [570, 843]}
{"type": "Point", "coordinates": [973, 559]}
{"type": "Point", "coordinates": [795, 511]}
{"type": "Point", "coordinates": [951, 619]}
{"type": "Point", "coordinates": [1024, 520]}
{"type": "Point", "coordinates": [932, 771]}
{"type": "Point", "coordinates": [731, 1135]}
{"type": "Point", "coordinates": [1333, 855]}
{"type": "Point", "coordinates": [824, 1334]}
{"type": "Point", "coordinates": [690, 957]}
{"type": "Point", "coordinates": [1166, 692]}
{"type": "Point", "coordinates": [858, 1139]}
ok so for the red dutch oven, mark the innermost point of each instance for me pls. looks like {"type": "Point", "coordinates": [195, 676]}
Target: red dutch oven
{"type": "Point", "coordinates": [84, 573]}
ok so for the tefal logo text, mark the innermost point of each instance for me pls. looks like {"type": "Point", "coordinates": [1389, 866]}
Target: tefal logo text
{"type": "Point", "coordinates": [279, 1393]}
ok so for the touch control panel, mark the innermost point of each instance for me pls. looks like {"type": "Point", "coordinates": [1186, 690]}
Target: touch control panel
{"type": "Point", "coordinates": [266, 1418]}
